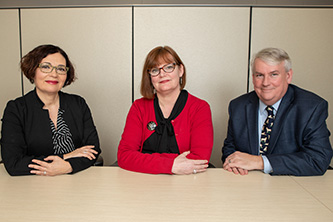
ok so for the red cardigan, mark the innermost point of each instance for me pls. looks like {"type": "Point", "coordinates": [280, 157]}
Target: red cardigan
{"type": "Point", "coordinates": [193, 131]}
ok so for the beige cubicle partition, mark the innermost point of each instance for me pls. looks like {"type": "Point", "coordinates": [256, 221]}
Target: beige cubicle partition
{"type": "Point", "coordinates": [307, 36]}
{"type": "Point", "coordinates": [213, 44]}
{"type": "Point", "coordinates": [98, 41]}
{"type": "Point", "coordinates": [10, 84]}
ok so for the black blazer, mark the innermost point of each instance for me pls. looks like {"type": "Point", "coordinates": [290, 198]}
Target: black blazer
{"type": "Point", "coordinates": [299, 143]}
{"type": "Point", "coordinates": [27, 135]}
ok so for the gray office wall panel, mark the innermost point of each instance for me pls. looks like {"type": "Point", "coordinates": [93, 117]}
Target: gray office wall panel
{"type": "Point", "coordinates": [10, 84]}
{"type": "Point", "coordinates": [98, 41]}
{"type": "Point", "coordinates": [307, 36]}
{"type": "Point", "coordinates": [213, 44]}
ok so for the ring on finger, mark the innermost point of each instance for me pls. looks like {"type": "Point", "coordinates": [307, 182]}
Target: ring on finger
{"type": "Point", "coordinates": [44, 172]}
{"type": "Point", "coordinates": [194, 171]}
{"type": "Point", "coordinates": [85, 151]}
{"type": "Point", "coordinates": [229, 161]}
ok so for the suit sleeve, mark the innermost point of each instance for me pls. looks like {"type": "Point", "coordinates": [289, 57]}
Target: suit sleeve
{"type": "Point", "coordinates": [315, 151]}
{"type": "Point", "coordinates": [90, 137]}
{"type": "Point", "coordinates": [14, 148]}
{"type": "Point", "coordinates": [229, 144]}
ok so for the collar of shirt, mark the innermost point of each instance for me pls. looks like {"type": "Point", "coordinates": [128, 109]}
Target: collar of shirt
{"type": "Point", "coordinates": [262, 107]}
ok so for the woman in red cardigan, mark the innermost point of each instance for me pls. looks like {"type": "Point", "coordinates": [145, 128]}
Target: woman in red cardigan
{"type": "Point", "coordinates": [168, 130]}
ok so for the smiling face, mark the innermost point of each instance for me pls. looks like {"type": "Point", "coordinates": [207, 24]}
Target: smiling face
{"type": "Point", "coordinates": [50, 83]}
{"type": "Point", "coordinates": [270, 81]}
{"type": "Point", "coordinates": [166, 83]}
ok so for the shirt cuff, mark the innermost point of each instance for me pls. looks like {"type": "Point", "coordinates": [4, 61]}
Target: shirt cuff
{"type": "Point", "coordinates": [267, 165]}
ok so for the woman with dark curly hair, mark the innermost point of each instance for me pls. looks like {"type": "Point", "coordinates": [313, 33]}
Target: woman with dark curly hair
{"type": "Point", "coordinates": [48, 132]}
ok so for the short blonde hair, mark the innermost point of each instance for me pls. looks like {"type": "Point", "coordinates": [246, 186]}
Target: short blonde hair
{"type": "Point", "coordinates": [273, 56]}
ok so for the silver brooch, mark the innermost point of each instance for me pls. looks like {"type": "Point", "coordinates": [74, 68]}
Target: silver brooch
{"type": "Point", "coordinates": [151, 126]}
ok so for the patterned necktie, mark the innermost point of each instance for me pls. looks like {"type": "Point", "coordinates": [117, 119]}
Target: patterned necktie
{"type": "Point", "coordinates": [266, 130]}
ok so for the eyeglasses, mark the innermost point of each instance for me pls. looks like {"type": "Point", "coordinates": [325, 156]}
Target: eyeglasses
{"type": "Point", "coordinates": [166, 68]}
{"type": "Point", "coordinates": [46, 67]}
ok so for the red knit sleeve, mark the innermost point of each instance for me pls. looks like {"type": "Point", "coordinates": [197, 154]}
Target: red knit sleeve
{"type": "Point", "coordinates": [201, 132]}
{"type": "Point", "coordinates": [129, 155]}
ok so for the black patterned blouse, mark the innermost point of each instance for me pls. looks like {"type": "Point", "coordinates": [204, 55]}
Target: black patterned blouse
{"type": "Point", "coordinates": [61, 137]}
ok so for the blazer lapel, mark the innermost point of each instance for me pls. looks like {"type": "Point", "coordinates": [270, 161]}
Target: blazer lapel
{"type": "Point", "coordinates": [251, 110]}
{"type": "Point", "coordinates": [280, 118]}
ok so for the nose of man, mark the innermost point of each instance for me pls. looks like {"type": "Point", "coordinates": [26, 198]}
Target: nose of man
{"type": "Point", "coordinates": [265, 81]}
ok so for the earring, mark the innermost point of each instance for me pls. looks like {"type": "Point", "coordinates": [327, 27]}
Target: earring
{"type": "Point", "coordinates": [181, 80]}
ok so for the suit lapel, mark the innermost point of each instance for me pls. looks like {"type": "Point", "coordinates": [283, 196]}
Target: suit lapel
{"type": "Point", "coordinates": [280, 118]}
{"type": "Point", "coordinates": [251, 111]}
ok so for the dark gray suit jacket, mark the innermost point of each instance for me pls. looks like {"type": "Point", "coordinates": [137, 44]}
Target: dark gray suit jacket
{"type": "Point", "coordinates": [299, 143]}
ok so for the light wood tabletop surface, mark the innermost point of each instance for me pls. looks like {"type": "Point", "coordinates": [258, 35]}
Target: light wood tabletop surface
{"type": "Point", "coordinates": [114, 194]}
{"type": "Point", "coordinates": [319, 187]}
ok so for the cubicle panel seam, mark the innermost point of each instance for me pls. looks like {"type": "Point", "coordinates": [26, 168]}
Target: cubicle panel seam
{"type": "Point", "coordinates": [249, 50]}
{"type": "Point", "coordinates": [133, 54]}
{"type": "Point", "coordinates": [20, 46]}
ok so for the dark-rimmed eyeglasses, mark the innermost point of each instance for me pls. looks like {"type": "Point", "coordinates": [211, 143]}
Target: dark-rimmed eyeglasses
{"type": "Point", "coordinates": [166, 68]}
{"type": "Point", "coordinates": [46, 67]}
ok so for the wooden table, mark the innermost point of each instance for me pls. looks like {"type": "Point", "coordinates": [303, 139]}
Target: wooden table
{"type": "Point", "coordinates": [320, 188]}
{"type": "Point", "coordinates": [114, 194]}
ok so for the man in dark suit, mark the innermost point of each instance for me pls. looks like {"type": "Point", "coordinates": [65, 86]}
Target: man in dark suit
{"type": "Point", "coordinates": [290, 136]}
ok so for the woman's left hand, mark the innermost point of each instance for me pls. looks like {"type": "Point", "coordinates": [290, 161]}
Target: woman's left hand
{"type": "Point", "coordinates": [182, 165]}
{"type": "Point", "coordinates": [51, 166]}
{"type": "Point", "coordinates": [85, 151]}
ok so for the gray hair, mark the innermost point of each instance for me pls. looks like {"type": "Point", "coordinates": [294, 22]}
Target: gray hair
{"type": "Point", "coordinates": [273, 56]}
